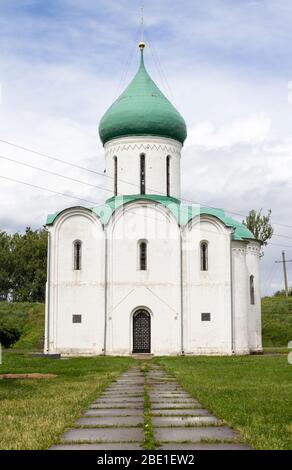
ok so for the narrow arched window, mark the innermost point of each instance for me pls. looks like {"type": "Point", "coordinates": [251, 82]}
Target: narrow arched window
{"type": "Point", "coordinates": [143, 255]}
{"type": "Point", "coordinates": [142, 173]}
{"type": "Point", "coordinates": [204, 256]}
{"type": "Point", "coordinates": [251, 289]}
{"type": "Point", "coordinates": [115, 175]}
{"type": "Point", "coordinates": [77, 255]}
{"type": "Point", "coordinates": [168, 175]}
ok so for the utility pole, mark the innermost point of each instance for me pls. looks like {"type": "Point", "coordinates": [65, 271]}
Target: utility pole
{"type": "Point", "coordinates": [285, 271]}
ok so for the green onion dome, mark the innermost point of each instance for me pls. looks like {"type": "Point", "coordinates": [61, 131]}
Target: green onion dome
{"type": "Point", "coordinates": [142, 109]}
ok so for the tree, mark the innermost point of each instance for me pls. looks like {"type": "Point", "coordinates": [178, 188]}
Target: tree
{"type": "Point", "coordinates": [29, 271]}
{"type": "Point", "coordinates": [5, 265]}
{"type": "Point", "coordinates": [282, 293]}
{"type": "Point", "coordinates": [23, 265]}
{"type": "Point", "coordinates": [259, 225]}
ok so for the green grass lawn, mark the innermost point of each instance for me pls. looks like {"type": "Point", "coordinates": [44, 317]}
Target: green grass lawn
{"type": "Point", "coordinates": [252, 394]}
{"type": "Point", "coordinates": [34, 412]}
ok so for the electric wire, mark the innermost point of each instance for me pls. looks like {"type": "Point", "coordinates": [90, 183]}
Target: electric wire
{"type": "Point", "coordinates": [202, 204]}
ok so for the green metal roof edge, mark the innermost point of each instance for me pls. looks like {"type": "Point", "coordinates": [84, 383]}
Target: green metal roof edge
{"type": "Point", "coordinates": [52, 217]}
{"type": "Point", "coordinates": [182, 214]}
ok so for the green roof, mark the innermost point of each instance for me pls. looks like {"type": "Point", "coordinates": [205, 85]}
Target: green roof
{"type": "Point", "coordinates": [183, 214]}
{"type": "Point", "coordinates": [142, 109]}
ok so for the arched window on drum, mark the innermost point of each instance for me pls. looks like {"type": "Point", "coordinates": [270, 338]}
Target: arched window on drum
{"type": "Point", "coordinates": [142, 254]}
{"type": "Point", "coordinates": [77, 252]}
{"type": "Point", "coordinates": [251, 289]}
{"type": "Point", "coordinates": [204, 255]}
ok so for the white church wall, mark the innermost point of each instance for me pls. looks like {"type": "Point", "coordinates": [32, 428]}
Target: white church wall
{"type": "Point", "coordinates": [76, 292]}
{"type": "Point", "coordinates": [207, 291]}
{"type": "Point", "coordinates": [156, 149]}
{"type": "Point", "coordinates": [157, 289]}
{"type": "Point", "coordinates": [240, 297]}
{"type": "Point", "coordinates": [254, 311]}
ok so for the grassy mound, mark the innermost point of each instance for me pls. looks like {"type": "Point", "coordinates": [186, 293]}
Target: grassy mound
{"type": "Point", "coordinates": [277, 321]}
{"type": "Point", "coordinates": [30, 319]}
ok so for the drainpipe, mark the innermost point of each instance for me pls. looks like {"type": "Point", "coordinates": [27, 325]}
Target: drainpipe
{"type": "Point", "coordinates": [232, 297]}
{"type": "Point", "coordinates": [181, 296]}
{"type": "Point", "coordinates": [105, 291]}
{"type": "Point", "coordinates": [48, 291]}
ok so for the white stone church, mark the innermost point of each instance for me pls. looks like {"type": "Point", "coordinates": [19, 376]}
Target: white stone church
{"type": "Point", "coordinates": [143, 272]}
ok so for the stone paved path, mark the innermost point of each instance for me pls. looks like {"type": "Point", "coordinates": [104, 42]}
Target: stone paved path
{"type": "Point", "coordinates": [180, 422]}
{"type": "Point", "coordinates": [115, 420]}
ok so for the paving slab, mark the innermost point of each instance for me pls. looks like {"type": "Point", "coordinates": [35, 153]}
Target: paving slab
{"type": "Point", "coordinates": [162, 381]}
{"type": "Point", "coordinates": [194, 434]}
{"type": "Point", "coordinates": [116, 405]}
{"type": "Point", "coordinates": [204, 446]}
{"type": "Point", "coordinates": [166, 389]}
{"type": "Point", "coordinates": [125, 389]}
{"type": "Point", "coordinates": [104, 435]}
{"type": "Point", "coordinates": [182, 412]}
{"type": "Point", "coordinates": [174, 401]}
{"type": "Point", "coordinates": [111, 421]}
{"type": "Point", "coordinates": [169, 405]}
{"type": "Point", "coordinates": [133, 380]}
{"type": "Point", "coordinates": [105, 446]}
{"type": "Point", "coordinates": [114, 394]}
{"type": "Point", "coordinates": [166, 421]}
{"type": "Point", "coordinates": [169, 394]}
{"type": "Point", "coordinates": [120, 399]}
{"type": "Point", "coordinates": [114, 412]}
{"type": "Point", "coordinates": [126, 380]}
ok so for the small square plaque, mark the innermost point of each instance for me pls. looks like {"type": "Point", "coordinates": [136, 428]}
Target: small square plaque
{"type": "Point", "coordinates": [76, 318]}
{"type": "Point", "coordinates": [206, 316]}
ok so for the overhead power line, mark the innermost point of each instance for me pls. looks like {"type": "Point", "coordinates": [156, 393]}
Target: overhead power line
{"type": "Point", "coordinates": [46, 155]}
{"type": "Point", "coordinates": [46, 189]}
{"type": "Point", "coordinates": [54, 173]}
{"type": "Point", "coordinates": [94, 203]}
{"type": "Point", "coordinates": [51, 157]}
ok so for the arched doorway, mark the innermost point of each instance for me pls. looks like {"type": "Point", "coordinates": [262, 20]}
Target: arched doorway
{"type": "Point", "coordinates": [141, 331]}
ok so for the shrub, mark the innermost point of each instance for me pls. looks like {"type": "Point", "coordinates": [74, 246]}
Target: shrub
{"type": "Point", "coordinates": [9, 333]}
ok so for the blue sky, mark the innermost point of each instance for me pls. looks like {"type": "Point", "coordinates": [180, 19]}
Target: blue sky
{"type": "Point", "coordinates": [225, 64]}
{"type": "Point", "coordinates": [252, 36]}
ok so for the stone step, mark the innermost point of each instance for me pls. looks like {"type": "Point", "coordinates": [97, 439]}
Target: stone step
{"type": "Point", "coordinates": [114, 412]}
{"type": "Point", "coordinates": [168, 405]}
{"type": "Point", "coordinates": [104, 435]}
{"type": "Point", "coordinates": [111, 421]}
{"type": "Point", "coordinates": [182, 412]}
{"type": "Point", "coordinates": [106, 446]}
{"type": "Point", "coordinates": [182, 421]}
{"type": "Point", "coordinates": [194, 434]}
{"type": "Point", "coordinates": [116, 405]}
{"type": "Point", "coordinates": [204, 446]}
{"type": "Point", "coordinates": [174, 401]}
{"type": "Point", "coordinates": [120, 399]}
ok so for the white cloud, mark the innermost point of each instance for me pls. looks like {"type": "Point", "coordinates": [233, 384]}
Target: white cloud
{"type": "Point", "coordinates": [251, 130]}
